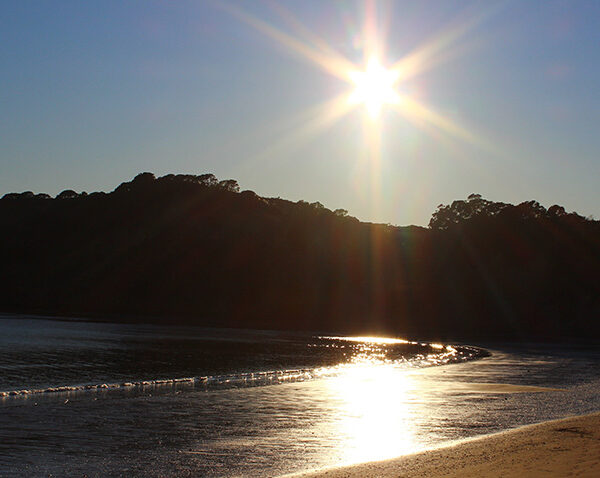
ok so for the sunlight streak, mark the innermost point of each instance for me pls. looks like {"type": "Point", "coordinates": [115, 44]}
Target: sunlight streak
{"type": "Point", "coordinates": [329, 60]}
{"type": "Point", "coordinates": [437, 49]}
{"type": "Point", "coordinates": [315, 121]}
{"type": "Point", "coordinates": [417, 113]}
{"type": "Point", "coordinates": [370, 85]}
{"type": "Point", "coordinates": [311, 37]}
{"type": "Point", "coordinates": [372, 132]}
{"type": "Point", "coordinates": [374, 85]}
{"type": "Point", "coordinates": [412, 109]}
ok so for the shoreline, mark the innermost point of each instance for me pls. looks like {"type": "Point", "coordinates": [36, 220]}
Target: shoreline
{"type": "Point", "coordinates": [555, 448]}
{"type": "Point", "coordinates": [481, 341]}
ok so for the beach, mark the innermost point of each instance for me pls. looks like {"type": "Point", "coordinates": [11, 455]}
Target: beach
{"type": "Point", "coordinates": [557, 448]}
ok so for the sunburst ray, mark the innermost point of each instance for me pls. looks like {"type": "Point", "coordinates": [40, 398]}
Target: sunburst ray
{"type": "Point", "coordinates": [328, 60]}
{"type": "Point", "coordinates": [373, 85]}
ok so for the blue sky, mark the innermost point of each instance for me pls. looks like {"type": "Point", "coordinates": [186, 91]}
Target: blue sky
{"type": "Point", "coordinates": [91, 93]}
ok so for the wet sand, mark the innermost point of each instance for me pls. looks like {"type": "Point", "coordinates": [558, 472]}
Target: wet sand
{"type": "Point", "coordinates": [560, 448]}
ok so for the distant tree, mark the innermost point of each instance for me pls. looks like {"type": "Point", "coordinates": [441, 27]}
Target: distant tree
{"type": "Point", "coordinates": [180, 249]}
{"type": "Point", "coordinates": [208, 180]}
{"type": "Point", "coordinates": [556, 211]}
{"type": "Point", "coordinates": [143, 179]}
{"type": "Point", "coordinates": [249, 194]}
{"type": "Point", "coordinates": [97, 194]}
{"type": "Point", "coordinates": [187, 178]}
{"type": "Point", "coordinates": [141, 182]}
{"type": "Point", "coordinates": [460, 211]}
{"type": "Point", "coordinates": [230, 185]}
{"type": "Point", "coordinates": [532, 210]}
{"type": "Point", "coordinates": [67, 194]}
{"type": "Point", "coordinates": [11, 196]}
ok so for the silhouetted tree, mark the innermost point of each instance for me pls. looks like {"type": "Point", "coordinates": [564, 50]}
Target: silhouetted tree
{"type": "Point", "coordinates": [209, 180]}
{"type": "Point", "coordinates": [11, 196]}
{"type": "Point", "coordinates": [230, 185]}
{"type": "Point", "coordinates": [183, 248]}
{"type": "Point", "coordinates": [67, 194]}
{"type": "Point", "coordinates": [461, 211]}
{"type": "Point", "coordinates": [144, 179]}
{"type": "Point", "coordinates": [556, 211]}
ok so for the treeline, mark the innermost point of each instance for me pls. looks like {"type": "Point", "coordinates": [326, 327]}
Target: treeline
{"type": "Point", "coordinates": [194, 249]}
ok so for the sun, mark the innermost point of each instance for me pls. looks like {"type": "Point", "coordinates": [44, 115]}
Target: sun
{"type": "Point", "coordinates": [374, 87]}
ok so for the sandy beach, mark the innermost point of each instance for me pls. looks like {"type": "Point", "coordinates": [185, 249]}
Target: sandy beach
{"type": "Point", "coordinates": [559, 448]}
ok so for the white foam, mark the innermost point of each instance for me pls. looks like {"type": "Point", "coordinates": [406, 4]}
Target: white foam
{"type": "Point", "coordinates": [449, 355]}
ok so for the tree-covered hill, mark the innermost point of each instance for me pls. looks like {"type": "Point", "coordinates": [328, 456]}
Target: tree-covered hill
{"type": "Point", "coordinates": [193, 249]}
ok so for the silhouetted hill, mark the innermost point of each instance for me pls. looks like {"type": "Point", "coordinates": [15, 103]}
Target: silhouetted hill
{"type": "Point", "coordinates": [192, 249]}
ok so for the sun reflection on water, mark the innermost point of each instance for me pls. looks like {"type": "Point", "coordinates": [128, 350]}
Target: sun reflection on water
{"type": "Point", "coordinates": [376, 396]}
{"type": "Point", "coordinates": [371, 340]}
{"type": "Point", "coordinates": [375, 420]}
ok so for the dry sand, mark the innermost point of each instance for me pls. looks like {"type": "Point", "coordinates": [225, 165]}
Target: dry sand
{"type": "Point", "coordinates": [561, 448]}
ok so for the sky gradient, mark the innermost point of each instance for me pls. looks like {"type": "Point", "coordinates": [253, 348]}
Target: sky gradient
{"type": "Point", "coordinates": [92, 93]}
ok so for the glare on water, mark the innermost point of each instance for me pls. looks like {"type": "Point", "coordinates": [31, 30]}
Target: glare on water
{"type": "Point", "coordinates": [374, 421]}
{"type": "Point", "coordinates": [339, 400]}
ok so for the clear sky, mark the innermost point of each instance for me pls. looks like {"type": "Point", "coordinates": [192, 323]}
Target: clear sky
{"type": "Point", "coordinates": [499, 99]}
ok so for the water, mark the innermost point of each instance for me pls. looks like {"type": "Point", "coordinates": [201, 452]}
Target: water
{"type": "Point", "coordinates": [41, 356]}
{"type": "Point", "coordinates": [258, 403]}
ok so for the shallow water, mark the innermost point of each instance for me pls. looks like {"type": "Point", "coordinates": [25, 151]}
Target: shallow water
{"type": "Point", "coordinates": [317, 402]}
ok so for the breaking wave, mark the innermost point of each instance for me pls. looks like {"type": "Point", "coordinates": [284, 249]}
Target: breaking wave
{"type": "Point", "coordinates": [364, 350]}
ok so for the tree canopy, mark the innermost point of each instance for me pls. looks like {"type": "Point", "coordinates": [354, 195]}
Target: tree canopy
{"type": "Point", "coordinates": [194, 249]}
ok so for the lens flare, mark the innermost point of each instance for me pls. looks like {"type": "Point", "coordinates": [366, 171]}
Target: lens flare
{"type": "Point", "coordinates": [373, 86]}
